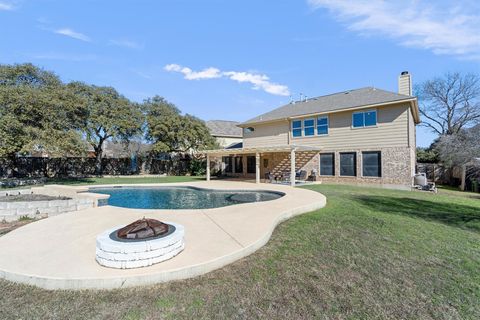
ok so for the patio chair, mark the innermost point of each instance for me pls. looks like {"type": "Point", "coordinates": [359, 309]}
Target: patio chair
{"type": "Point", "coordinates": [301, 176]}
{"type": "Point", "coordinates": [285, 177]}
{"type": "Point", "coordinates": [269, 177]}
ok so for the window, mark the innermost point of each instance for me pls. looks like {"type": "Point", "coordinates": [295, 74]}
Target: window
{"type": "Point", "coordinates": [238, 165]}
{"type": "Point", "coordinates": [322, 125]}
{"type": "Point", "coordinates": [371, 164]}
{"type": "Point", "coordinates": [248, 130]}
{"type": "Point", "coordinates": [364, 119]}
{"type": "Point", "coordinates": [228, 163]}
{"type": "Point", "coordinates": [327, 164]}
{"type": "Point", "coordinates": [348, 164]}
{"type": "Point", "coordinates": [297, 128]}
{"type": "Point", "coordinates": [370, 118]}
{"type": "Point", "coordinates": [251, 164]}
{"type": "Point", "coordinates": [308, 127]}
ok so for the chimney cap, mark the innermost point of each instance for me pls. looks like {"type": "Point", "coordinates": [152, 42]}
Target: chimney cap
{"type": "Point", "coordinates": [404, 73]}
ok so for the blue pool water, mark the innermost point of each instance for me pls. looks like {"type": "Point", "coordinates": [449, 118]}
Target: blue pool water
{"type": "Point", "coordinates": [181, 197]}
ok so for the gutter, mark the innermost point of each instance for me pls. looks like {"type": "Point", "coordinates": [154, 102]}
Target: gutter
{"type": "Point", "coordinates": [413, 103]}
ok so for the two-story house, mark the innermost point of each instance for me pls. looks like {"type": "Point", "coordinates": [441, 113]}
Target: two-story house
{"type": "Point", "coordinates": [365, 135]}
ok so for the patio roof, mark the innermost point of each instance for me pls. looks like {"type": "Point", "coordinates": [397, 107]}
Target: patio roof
{"type": "Point", "coordinates": [279, 148]}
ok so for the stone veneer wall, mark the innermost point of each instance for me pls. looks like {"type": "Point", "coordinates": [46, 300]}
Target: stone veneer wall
{"type": "Point", "coordinates": [397, 167]}
{"type": "Point", "coordinates": [14, 210]}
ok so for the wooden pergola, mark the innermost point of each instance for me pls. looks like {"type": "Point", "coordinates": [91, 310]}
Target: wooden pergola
{"type": "Point", "coordinates": [257, 151]}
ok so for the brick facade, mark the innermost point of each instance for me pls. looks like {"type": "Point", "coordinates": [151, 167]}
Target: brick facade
{"type": "Point", "coordinates": [395, 165]}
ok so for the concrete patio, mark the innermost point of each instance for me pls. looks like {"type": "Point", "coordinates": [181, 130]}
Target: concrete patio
{"type": "Point", "coordinates": [59, 252]}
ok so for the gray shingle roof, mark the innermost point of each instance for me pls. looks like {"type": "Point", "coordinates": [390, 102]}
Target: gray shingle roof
{"type": "Point", "coordinates": [332, 102]}
{"type": "Point", "coordinates": [224, 128]}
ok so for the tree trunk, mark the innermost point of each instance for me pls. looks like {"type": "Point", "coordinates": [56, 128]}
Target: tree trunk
{"type": "Point", "coordinates": [98, 160]}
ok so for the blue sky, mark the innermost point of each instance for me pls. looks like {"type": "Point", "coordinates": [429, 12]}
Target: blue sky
{"type": "Point", "coordinates": [236, 59]}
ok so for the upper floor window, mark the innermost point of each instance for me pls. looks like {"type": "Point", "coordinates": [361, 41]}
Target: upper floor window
{"type": "Point", "coordinates": [322, 125]}
{"type": "Point", "coordinates": [364, 119]}
{"type": "Point", "coordinates": [297, 128]}
{"type": "Point", "coordinates": [248, 129]}
{"type": "Point", "coordinates": [309, 127]}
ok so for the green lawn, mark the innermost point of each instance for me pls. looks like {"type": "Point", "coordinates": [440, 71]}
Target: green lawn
{"type": "Point", "coordinates": [115, 180]}
{"type": "Point", "coordinates": [370, 254]}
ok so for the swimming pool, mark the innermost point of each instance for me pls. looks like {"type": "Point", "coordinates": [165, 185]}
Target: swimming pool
{"type": "Point", "coordinates": [175, 197]}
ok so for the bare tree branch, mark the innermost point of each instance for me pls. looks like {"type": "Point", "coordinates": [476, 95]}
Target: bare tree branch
{"type": "Point", "coordinates": [450, 103]}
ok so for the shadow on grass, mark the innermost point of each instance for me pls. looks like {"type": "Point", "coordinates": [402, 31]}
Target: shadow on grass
{"type": "Point", "coordinates": [463, 216]}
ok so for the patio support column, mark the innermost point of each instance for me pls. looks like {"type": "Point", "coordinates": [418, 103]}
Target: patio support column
{"type": "Point", "coordinates": [292, 167]}
{"type": "Point", "coordinates": [233, 165]}
{"type": "Point", "coordinates": [257, 167]}
{"type": "Point", "coordinates": [208, 167]}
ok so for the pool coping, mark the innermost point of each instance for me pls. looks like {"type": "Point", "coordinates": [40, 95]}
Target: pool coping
{"type": "Point", "coordinates": [91, 190]}
{"type": "Point", "coordinates": [279, 213]}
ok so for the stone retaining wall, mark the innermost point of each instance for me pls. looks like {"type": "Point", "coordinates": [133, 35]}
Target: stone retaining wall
{"type": "Point", "coordinates": [14, 210]}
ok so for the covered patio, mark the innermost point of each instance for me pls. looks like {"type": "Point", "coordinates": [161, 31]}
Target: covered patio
{"type": "Point", "coordinates": [246, 162]}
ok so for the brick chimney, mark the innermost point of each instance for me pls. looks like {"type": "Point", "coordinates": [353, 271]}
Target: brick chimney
{"type": "Point", "coordinates": [405, 84]}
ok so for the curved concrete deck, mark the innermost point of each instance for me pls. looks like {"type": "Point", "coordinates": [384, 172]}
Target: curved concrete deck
{"type": "Point", "coordinates": [59, 252]}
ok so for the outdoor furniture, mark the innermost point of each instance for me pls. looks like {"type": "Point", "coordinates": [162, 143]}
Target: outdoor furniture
{"type": "Point", "coordinates": [269, 177]}
{"type": "Point", "coordinates": [285, 177]}
{"type": "Point", "coordinates": [301, 176]}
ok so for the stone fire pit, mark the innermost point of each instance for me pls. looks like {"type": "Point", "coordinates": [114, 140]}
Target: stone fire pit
{"type": "Point", "coordinates": [139, 244]}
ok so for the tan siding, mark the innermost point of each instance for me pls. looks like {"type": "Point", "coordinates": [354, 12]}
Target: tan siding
{"type": "Point", "coordinates": [412, 139]}
{"type": "Point", "coordinates": [391, 131]}
{"type": "Point", "coordinates": [267, 135]}
{"type": "Point", "coordinates": [411, 130]}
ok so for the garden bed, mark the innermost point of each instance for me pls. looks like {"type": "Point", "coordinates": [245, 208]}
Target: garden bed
{"type": "Point", "coordinates": [31, 197]}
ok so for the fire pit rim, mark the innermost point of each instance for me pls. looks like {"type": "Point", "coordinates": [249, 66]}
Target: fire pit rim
{"type": "Point", "coordinates": [114, 237]}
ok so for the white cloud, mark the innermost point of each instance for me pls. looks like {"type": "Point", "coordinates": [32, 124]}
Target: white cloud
{"type": "Point", "coordinates": [259, 81]}
{"type": "Point", "coordinates": [442, 27]}
{"type": "Point", "coordinates": [5, 6]}
{"type": "Point", "coordinates": [208, 73]}
{"type": "Point", "coordinates": [72, 34]}
{"type": "Point", "coordinates": [126, 43]}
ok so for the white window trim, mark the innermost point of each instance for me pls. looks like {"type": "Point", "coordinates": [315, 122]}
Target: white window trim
{"type": "Point", "coordinates": [301, 128]}
{"type": "Point", "coordinates": [313, 126]}
{"type": "Point", "coordinates": [363, 112]}
{"type": "Point", "coordinates": [328, 126]}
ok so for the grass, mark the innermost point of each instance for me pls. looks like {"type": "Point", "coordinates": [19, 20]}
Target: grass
{"type": "Point", "coordinates": [114, 180]}
{"type": "Point", "coordinates": [369, 254]}
{"type": "Point", "coordinates": [124, 180]}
